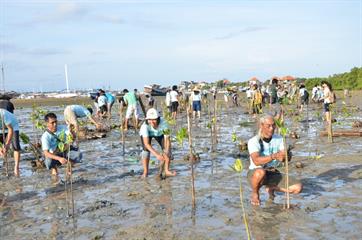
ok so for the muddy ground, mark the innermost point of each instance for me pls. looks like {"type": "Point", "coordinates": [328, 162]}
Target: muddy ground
{"type": "Point", "coordinates": [113, 202]}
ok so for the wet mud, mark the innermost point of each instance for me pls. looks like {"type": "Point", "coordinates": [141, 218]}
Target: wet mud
{"type": "Point", "coordinates": [113, 202]}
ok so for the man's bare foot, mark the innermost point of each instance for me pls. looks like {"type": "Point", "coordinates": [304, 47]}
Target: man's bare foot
{"type": "Point", "coordinates": [145, 175]}
{"type": "Point", "coordinates": [170, 174]}
{"type": "Point", "coordinates": [270, 191]}
{"type": "Point", "coordinates": [255, 199]}
{"type": "Point", "coordinates": [16, 173]}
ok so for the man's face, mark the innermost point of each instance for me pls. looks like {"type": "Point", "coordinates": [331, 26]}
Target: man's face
{"type": "Point", "coordinates": [52, 124]}
{"type": "Point", "coordinates": [153, 122]}
{"type": "Point", "coordinates": [267, 128]}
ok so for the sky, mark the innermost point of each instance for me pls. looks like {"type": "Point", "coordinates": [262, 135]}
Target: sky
{"type": "Point", "coordinates": [128, 44]}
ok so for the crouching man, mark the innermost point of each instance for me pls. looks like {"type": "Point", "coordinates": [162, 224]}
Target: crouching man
{"type": "Point", "coordinates": [266, 156]}
{"type": "Point", "coordinates": [50, 140]}
{"type": "Point", "coordinates": [154, 127]}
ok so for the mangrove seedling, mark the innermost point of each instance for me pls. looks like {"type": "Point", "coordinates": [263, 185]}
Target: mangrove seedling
{"type": "Point", "coordinates": [238, 167]}
{"type": "Point", "coordinates": [181, 135]}
{"type": "Point", "coordinates": [34, 148]}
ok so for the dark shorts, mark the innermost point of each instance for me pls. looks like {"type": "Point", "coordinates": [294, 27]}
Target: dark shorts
{"type": "Point", "coordinates": [326, 107]}
{"type": "Point", "coordinates": [274, 178]}
{"type": "Point", "coordinates": [15, 141]}
{"type": "Point", "coordinates": [159, 139]}
{"type": "Point", "coordinates": [304, 100]}
{"type": "Point", "coordinates": [196, 105]}
{"type": "Point", "coordinates": [273, 99]}
{"type": "Point", "coordinates": [174, 106]}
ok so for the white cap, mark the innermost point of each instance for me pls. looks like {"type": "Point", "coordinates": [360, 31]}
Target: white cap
{"type": "Point", "coordinates": [152, 114]}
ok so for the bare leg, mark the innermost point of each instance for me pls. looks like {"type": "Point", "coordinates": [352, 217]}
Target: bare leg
{"type": "Point", "coordinates": [294, 189]}
{"type": "Point", "coordinates": [145, 163]}
{"type": "Point", "coordinates": [17, 160]}
{"type": "Point", "coordinates": [256, 181]}
{"type": "Point", "coordinates": [167, 168]}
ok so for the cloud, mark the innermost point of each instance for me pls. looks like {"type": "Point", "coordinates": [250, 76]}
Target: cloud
{"type": "Point", "coordinates": [245, 30]}
{"type": "Point", "coordinates": [63, 12]}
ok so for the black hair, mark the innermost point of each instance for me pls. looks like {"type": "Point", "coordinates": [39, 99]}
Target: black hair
{"type": "Point", "coordinates": [90, 110]}
{"type": "Point", "coordinates": [158, 121]}
{"type": "Point", "coordinates": [274, 81]}
{"type": "Point", "coordinates": [302, 86]}
{"type": "Point", "coordinates": [174, 87]}
{"type": "Point", "coordinates": [49, 115]}
{"type": "Point", "coordinates": [328, 84]}
{"type": "Point", "coordinates": [135, 90]}
{"type": "Point", "coordinates": [125, 90]}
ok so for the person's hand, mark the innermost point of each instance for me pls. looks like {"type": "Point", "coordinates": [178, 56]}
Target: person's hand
{"type": "Point", "coordinates": [280, 156]}
{"type": "Point", "coordinates": [160, 157]}
{"type": "Point", "coordinates": [4, 150]}
{"type": "Point", "coordinates": [63, 161]}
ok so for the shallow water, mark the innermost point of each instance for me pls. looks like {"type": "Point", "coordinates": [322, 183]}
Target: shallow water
{"type": "Point", "coordinates": [112, 202]}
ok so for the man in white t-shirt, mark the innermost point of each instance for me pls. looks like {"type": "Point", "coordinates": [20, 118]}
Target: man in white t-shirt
{"type": "Point", "coordinates": [266, 156]}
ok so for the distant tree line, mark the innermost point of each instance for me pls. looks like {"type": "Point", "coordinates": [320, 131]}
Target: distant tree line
{"type": "Point", "coordinates": [349, 80]}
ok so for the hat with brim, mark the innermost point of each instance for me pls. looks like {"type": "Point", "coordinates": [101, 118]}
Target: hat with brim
{"type": "Point", "coordinates": [152, 114]}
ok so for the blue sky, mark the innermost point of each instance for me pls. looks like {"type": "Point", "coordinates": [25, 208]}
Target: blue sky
{"type": "Point", "coordinates": [127, 44]}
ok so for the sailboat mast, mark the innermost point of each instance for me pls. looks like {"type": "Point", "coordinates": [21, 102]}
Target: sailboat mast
{"type": "Point", "coordinates": [66, 76]}
{"type": "Point", "coordinates": [2, 79]}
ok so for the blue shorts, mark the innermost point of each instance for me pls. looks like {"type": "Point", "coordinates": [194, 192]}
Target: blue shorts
{"type": "Point", "coordinates": [326, 107]}
{"type": "Point", "coordinates": [196, 105]}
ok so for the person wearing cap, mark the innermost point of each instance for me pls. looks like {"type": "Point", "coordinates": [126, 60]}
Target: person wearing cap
{"type": "Point", "coordinates": [73, 112]}
{"type": "Point", "coordinates": [10, 135]}
{"type": "Point", "coordinates": [196, 102]}
{"type": "Point", "coordinates": [130, 99]}
{"type": "Point", "coordinates": [154, 127]}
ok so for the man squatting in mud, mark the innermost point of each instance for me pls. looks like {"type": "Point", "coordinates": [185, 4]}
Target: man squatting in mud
{"type": "Point", "coordinates": [154, 127]}
{"type": "Point", "coordinates": [49, 142]}
{"type": "Point", "coordinates": [266, 155]}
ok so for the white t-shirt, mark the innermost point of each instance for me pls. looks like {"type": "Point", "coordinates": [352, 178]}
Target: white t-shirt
{"type": "Point", "coordinates": [275, 145]}
{"type": "Point", "coordinates": [301, 92]}
{"type": "Point", "coordinates": [173, 95]}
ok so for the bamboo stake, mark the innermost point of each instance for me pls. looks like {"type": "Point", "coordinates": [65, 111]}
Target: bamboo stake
{"type": "Point", "coordinates": [286, 173]}
{"type": "Point", "coordinates": [5, 155]}
{"type": "Point", "coordinates": [122, 129]}
{"type": "Point", "coordinates": [242, 207]}
{"type": "Point", "coordinates": [329, 127]}
{"type": "Point", "coordinates": [191, 159]}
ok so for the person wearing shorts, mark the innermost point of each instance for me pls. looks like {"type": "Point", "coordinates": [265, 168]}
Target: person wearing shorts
{"type": "Point", "coordinates": [130, 99]}
{"type": "Point", "coordinates": [10, 135]}
{"type": "Point", "coordinates": [196, 102]}
{"type": "Point", "coordinates": [73, 112]}
{"type": "Point", "coordinates": [174, 101]}
{"type": "Point", "coordinates": [266, 155]}
{"type": "Point", "coordinates": [154, 127]}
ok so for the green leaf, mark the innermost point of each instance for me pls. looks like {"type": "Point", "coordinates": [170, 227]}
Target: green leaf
{"type": "Point", "coordinates": [61, 146]}
{"type": "Point", "coordinates": [24, 138]}
{"type": "Point", "coordinates": [234, 138]}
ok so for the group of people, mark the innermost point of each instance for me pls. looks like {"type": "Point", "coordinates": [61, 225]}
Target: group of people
{"type": "Point", "coordinates": [266, 149]}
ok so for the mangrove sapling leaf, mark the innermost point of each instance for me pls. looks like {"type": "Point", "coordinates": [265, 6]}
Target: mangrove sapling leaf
{"type": "Point", "coordinates": [208, 125]}
{"type": "Point", "coordinates": [24, 138]}
{"type": "Point", "coordinates": [234, 138]}
{"type": "Point", "coordinates": [181, 135]}
{"type": "Point", "coordinates": [238, 167]}
{"type": "Point", "coordinates": [167, 131]}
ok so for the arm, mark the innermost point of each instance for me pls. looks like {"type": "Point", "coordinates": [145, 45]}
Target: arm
{"type": "Point", "coordinates": [261, 160]}
{"type": "Point", "coordinates": [7, 142]}
{"type": "Point", "coordinates": [148, 146]}
{"type": "Point", "coordinates": [94, 122]}
{"type": "Point", "coordinates": [50, 155]}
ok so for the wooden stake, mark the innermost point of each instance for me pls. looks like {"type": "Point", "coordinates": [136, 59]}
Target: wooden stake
{"type": "Point", "coordinates": [286, 173]}
{"type": "Point", "coordinates": [5, 155]}
{"type": "Point", "coordinates": [122, 129]}
{"type": "Point", "coordinates": [191, 159]}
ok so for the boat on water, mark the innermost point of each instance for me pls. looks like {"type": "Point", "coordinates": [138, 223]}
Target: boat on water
{"type": "Point", "coordinates": [155, 90]}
